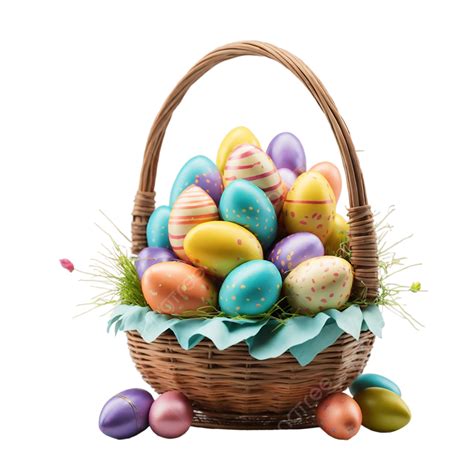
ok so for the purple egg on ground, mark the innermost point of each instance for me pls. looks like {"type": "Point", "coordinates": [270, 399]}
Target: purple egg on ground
{"type": "Point", "coordinates": [294, 249]}
{"type": "Point", "coordinates": [151, 255]}
{"type": "Point", "coordinates": [171, 414]}
{"type": "Point", "coordinates": [287, 151]}
{"type": "Point", "coordinates": [288, 177]}
{"type": "Point", "coordinates": [126, 414]}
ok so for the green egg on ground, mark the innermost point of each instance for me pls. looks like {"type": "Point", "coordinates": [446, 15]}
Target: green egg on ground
{"type": "Point", "coordinates": [373, 380]}
{"type": "Point", "coordinates": [382, 410]}
{"type": "Point", "coordinates": [251, 288]}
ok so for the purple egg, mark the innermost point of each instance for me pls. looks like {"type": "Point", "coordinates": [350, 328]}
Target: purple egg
{"type": "Point", "coordinates": [294, 249]}
{"type": "Point", "coordinates": [151, 255]}
{"type": "Point", "coordinates": [126, 414]}
{"type": "Point", "coordinates": [287, 151]}
{"type": "Point", "coordinates": [288, 177]}
{"type": "Point", "coordinates": [171, 415]}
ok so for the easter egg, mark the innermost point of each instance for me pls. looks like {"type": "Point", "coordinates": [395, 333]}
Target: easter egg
{"type": "Point", "coordinates": [252, 164]}
{"type": "Point", "coordinates": [319, 283]}
{"type": "Point", "coordinates": [218, 247]}
{"type": "Point", "coordinates": [171, 415]}
{"type": "Point", "coordinates": [251, 288]}
{"type": "Point", "coordinates": [202, 172]}
{"type": "Point", "coordinates": [288, 177]}
{"type": "Point", "coordinates": [126, 414]}
{"type": "Point", "coordinates": [294, 249]}
{"type": "Point", "coordinates": [339, 416]}
{"type": "Point", "coordinates": [193, 206]}
{"type": "Point", "coordinates": [151, 255]}
{"type": "Point", "coordinates": [382, 410]}
{"type": "Point", "coordinates": [373, 380]}
{"type": "Point", "coordinates": [338, 235]}
{"type": "Point", "coordinates": [157, 228]}
{"type": "Point", "coordinates": [245, 204]}
{"type": "Point", "coordinates": [331, 173]}
{"type": "Point", "coordinates": [237, 136]}
{"type": "Point", "coordinates": [286, 151]}
{"type": "Point", "coordinates": [310, 206]}
{"type": "Point", "coordinates": [177, 288]}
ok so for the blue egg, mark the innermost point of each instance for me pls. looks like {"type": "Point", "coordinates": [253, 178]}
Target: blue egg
{"type": "Point", "coordinates": [246, 204]}
{"type": "Point", "coordinates": [157, 228]}
{"type": "Point", "coordinates": [202, 172]}
{"type": "Point", "coordinates": [251, 288]}
{"type": "Point", "coordinates": [373, 380]}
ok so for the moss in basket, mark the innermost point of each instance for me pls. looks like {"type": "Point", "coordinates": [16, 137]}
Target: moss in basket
{"type": "Point", "coordinates": [116, 275]}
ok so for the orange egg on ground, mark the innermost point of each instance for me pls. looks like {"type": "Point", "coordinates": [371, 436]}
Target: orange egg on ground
{"type": "Point", "coordinates": [331, 173]}
{"type": "Point", "coordinates": [177, 288]}
{"type": "Point", "coordinates": [310, 206]}
{"type": "Point", "coordinates": [252, 164]}
{"type": "Point", "coordinates": [193, 206]}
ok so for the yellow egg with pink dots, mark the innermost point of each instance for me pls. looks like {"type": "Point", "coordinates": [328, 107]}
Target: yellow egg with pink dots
{"type": "Point", "coordinates": [310, 206]}
{"type": "Point", "coordinates": [218, 247]}
{"type": "Point", "coordinates": [318, 284]}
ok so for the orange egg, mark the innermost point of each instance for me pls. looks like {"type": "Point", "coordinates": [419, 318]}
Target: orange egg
{"type": "Point", "coordinates": [339, 416]}
{"type": "Point", "coordinates": [177, 288]}
{"type": "Point", "coordinates": [331, 173]}
{"type": "Point", "coordinates": [193, 206]}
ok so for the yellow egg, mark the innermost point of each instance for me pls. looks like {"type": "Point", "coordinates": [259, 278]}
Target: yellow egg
{"type": "Point", "coordinates": [218, 247]}
{"type": "Point", "coordinates": [237, 136]}
{"type": "Point", "coordinates": [339, 233]}
{"type": "Point", "coordinates": [310, 206]}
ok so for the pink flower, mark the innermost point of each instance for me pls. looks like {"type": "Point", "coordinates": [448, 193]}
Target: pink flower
{"type": "Point", "coordinates": [67, 264]}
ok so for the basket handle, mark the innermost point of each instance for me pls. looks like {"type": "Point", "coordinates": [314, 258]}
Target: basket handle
{"type": "Point", "coordinates": [363, 240]}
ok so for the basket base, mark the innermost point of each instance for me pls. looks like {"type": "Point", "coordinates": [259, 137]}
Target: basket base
{"type": "Point", "coordinates": [251, 422]}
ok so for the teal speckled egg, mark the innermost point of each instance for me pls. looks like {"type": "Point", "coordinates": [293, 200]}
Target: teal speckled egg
{"type": "Point", "coordinates": [157, 228]}
{"type": "Point", "coordinates": [251, 288]}
{"type": "Point", "coordinates": [246, 204]}
{"type": "Point", "coordinates": [202, 172]}
{"type": "Point", "coordinates": [373, 380]}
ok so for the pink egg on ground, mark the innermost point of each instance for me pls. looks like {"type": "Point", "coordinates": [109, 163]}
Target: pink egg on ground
{"type": "Point", "coordinates": [171, 415]}
{"type": "Point", "coordinates": [287, 176]}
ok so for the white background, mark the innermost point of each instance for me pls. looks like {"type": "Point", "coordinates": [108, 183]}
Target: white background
{"type": "Point", "coordinates": [81, 83]}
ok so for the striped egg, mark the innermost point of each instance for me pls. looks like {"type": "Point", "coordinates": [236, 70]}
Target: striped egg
{"type": "Point", "coordinates": [252, 164]}
{"type": "Point", "coordinates": [310, 206]}
{"type": "Point", "coordinates": [193, 206]}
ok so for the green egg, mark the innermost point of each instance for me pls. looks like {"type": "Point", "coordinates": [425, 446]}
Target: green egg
{"type": "Point", "coordinates": [382, 410]}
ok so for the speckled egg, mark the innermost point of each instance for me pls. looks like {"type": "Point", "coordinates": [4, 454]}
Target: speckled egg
{"type": "Point", "coordinates": [319, 283]}
{"type": "Point", "coordinates": [288, 177]}
{"type": "Point", "coordinates": [247, 205]}
{"type": "Point", "coordinates": [251, 288]}
{"type": "Point", "coordinates": [177, 288]}
{"type": "Point", "coordinates": [151, 255]}
{"type": "Point", "coordinates": [157, 228]}
{"type": "Point", "coordinates": [237, 136]}
{"type": "Point", "coordinates": [331, 172]}
{"type": "Point", "coordinates": [218, 247]}
{"type": "Point", "coordinates": [287, 151]}
{"type": "Point", "coordinates": [294, 249]}
{"type": "Point", "coordinates": [339, 234]}
{"type": "Point", "coordinates": [193, 206]}
{"type": "Point", "coordinates": [252, 164]}
{"type": "Point", "coordinates": [202, 172]}
{"type": "Point", "coordinates": [310, 206]}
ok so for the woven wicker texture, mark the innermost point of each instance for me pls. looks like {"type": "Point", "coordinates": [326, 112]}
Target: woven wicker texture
{"type": "Point", "coordinates": [230, 389]}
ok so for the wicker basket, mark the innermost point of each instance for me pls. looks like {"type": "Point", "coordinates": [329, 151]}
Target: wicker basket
{"type": "Point", "coordinates": [230, 389]}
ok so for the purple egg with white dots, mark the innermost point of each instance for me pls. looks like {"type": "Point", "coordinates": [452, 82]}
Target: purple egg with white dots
{"type": "Point", "coordinates": [288, 177]}
{"type": "Point", "coordinates": [294, 249]}
{"type": "Point", "coordinates": [151, 255]}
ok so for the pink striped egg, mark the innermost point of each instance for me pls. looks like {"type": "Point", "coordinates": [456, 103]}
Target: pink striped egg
{"type": "Point", "coordinates": [193, 206]}
{"type": "Point", "coordinates": [252, 164]}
